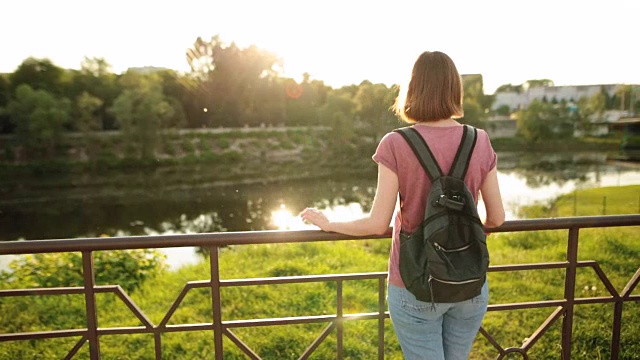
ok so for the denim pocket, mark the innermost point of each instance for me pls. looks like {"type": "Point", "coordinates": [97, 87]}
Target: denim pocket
{"type": "Point", "coordinates": [410, 303]}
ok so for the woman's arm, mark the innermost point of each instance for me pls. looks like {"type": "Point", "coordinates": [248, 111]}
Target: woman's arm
{"type": "Point", "coordinates": [492, 199]}
{"type": "Point", "coordinates": [379, 218]}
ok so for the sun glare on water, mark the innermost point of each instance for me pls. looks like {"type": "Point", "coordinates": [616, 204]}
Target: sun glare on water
{"type": "Point", "coordinates": [283, 219]}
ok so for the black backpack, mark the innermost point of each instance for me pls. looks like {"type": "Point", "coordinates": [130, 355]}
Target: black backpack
{"type": "Point", "coordinates": [446, 258]}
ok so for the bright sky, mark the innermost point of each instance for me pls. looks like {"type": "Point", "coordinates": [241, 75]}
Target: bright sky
{"type": "Point", "coordinates": [342, 42]}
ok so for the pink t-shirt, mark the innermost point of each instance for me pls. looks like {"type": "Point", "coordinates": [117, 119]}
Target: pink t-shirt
{"type": "Point", "coordinates": [396, 154]}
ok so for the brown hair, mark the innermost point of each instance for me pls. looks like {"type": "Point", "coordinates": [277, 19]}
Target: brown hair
{"type": "Point", "coordinates": [434, 91]}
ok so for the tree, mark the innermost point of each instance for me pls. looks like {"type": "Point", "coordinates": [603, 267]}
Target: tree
{"type": "Point", "coordinates": [96, 79]}
{"type": "Point", "coordinates": [544, 121]}
{"type": "Point", "coordinates": [234, 82]}
{"type": "Point", "coordinates": [5, 94]}
{"type": "Point", "coordinates": [142, 111]}
{"type": "Point", "coordinates": [503, 110]}
{"type": "Point", "coordinates": [537, 83]}
{"type": "Point", "coordinates": [373, 108]}
{"type": "Point", "coordinates": [338, 113]}
{"type": "Point", "coordinates": [39, 74]}
{"type": "Point", "coordinates": [473, 113]}
{"type": "Point", "coordinates": [590, 110]}
{"type": "Point", "coordinates": [127, 268]}
{"type": "Point", "coordinates": [39, 119]}
{"type": "Point", "coordinates": [509, 88]}
{"type": "Point", "coordinates": [476, 104]}
{"type": "Point", "coordinates": [88, 121]}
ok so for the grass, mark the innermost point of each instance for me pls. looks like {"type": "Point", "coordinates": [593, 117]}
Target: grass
{"type": "Point", "coordinates": [617, 250]}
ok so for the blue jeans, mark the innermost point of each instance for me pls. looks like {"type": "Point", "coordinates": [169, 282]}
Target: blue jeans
{"type": "Point", "coordinates": [445, 331]}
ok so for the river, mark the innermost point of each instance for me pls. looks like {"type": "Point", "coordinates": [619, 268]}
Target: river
{"type": "Point", "coordinates": [45, 209]}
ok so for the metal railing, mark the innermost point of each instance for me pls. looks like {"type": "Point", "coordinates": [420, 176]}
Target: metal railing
{"type": "Point", "coordinates": [564, 308]}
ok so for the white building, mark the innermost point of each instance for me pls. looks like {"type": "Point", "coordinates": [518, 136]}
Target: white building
{"type": "Point", "coordinates": [516, 101]}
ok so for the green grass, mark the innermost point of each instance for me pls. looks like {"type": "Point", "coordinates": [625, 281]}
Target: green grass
{"type": "Point", "coordinates": [617, 250]}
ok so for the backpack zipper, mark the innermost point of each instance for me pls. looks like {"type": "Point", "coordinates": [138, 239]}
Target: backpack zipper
{"type": "Point", "coordinates": [453, 282]}
{"type": "Point", "coordinates": [440, 248]}
{"type": "Point", "coordinates": [431, 278]}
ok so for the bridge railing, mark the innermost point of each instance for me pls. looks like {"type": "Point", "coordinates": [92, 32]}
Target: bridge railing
{"type": "Point", "coordinates": [564, 307]}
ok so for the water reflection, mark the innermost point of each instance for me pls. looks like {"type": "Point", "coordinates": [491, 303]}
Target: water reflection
{"type": "Point", "coordinates": [36, 211]}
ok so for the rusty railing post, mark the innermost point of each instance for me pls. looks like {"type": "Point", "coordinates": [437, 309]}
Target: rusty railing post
{"type": "Point", "coordinates": [90, 304]}
{"type": "Point", "coordinates": [569, 292]}
{"type": "Point", "coordinates": [215, 301]}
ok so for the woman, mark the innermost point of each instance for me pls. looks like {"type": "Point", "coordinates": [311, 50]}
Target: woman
{"type": "Point", "coordinates": [432, 102]}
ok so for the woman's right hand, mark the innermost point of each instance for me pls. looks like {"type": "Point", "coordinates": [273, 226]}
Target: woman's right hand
{"type": "Point", "coordinates": [316, 217]}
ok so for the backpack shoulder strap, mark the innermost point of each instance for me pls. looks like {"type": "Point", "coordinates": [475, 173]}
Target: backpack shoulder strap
{"type": "Point", "coordinates": [422, 151]}
{"type": "Point", "coordinates": [463, 156]}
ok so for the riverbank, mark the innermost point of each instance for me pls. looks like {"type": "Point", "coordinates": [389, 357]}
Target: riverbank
{"type": "Point", "coordinates": [241, 153]}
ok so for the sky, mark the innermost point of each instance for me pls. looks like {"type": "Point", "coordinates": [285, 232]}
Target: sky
{"type": "Point", "coordinates": [341, 42]}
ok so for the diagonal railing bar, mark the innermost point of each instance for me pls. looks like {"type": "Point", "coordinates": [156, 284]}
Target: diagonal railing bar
{"type": "Point", "coordinates": [240, 344]}
{"type": "Point", "coordinates": [617, 313]}
{"type": "Point", "coordinates": [76, 348]}
{"type": "Point", "coordinates": [542, 329]}
{"type": "Point", "coordinates": [492, 341]}
{"type": "Point", "coordinates": [174, 306]}
{"type": "Point", "coordinates": [316, 343]}
{"type": "Point", "coordinates": [532, 339]}
{"type": "Point", "coordinates": [135, 309]}
{"type": "Point", "coordinates": [221, 327]}
{"type": "Point", "coordinates": [631, 285]}
{"type": "Point", "coordinates": [602, 276]}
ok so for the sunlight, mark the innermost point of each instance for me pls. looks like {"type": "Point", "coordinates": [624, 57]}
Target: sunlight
{"type": "Point", "coordinates": [284, 220]}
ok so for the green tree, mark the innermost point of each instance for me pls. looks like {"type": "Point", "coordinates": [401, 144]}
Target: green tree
{"type": "Point", "coordinates": [510, 88]}
{"type": "Point", "coordinates": [473, 113]}
{"type": "Point", "coordinates": [590, 110]}
{"type": "Point", "coordinates": [338, 113]}
{"type": "Point", "coordinates": [142, 111]}
{"type": "Point", "coordinates": [476, 104]}
{"type": "Point", "coordinates": [39, 119]}
{"type": "Point", "coordinates": [88, 121]}
{"type": "Point", "coordinates": [179, 91]}
{"type": "Point", "coordinates": [544, 121]}
{"type": "Point", "coordinates": [235, 83]}
{"type": "Point", "coordinates": [96, 79]}
{"type": "Point", "coordinates": [5, 94]}
{"type": "Point", "coordinates": [127, 268]}
{"type": "Point", "coordinates": [537, 83]}
{"type": "Point", "coordinates": [373, 108]}
{"type": "Point", "coordinates": [504, 110]}
{"type": "Point", "coordinates": [303, 100]}
{"type": "Point", "coordinates": [39, 74]}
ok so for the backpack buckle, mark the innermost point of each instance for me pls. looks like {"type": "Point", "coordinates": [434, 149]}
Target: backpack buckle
{"type": "Point", "coordinates": [457, 203]}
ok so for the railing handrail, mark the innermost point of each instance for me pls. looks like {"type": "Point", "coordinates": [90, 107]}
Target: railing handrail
{"type": "Point", "coordinates": [278, 236]}
{"type": "Point", "coordinates": [564, 307]}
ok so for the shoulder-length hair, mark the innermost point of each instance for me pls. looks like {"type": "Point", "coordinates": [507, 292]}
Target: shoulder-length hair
{"type": "Point", "coordinates": [434, 91]}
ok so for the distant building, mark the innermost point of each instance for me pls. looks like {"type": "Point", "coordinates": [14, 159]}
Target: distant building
{"type": "Point", "coordinates": [571, 93]}
{"type": "Point", "coordinates": [515, 101]}
{"type": "Point", "coordinates": [147, 69]}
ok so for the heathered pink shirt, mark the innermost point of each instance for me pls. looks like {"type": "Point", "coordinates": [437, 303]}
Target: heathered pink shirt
{"type": "Point", "coordinates": [394, 153]}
